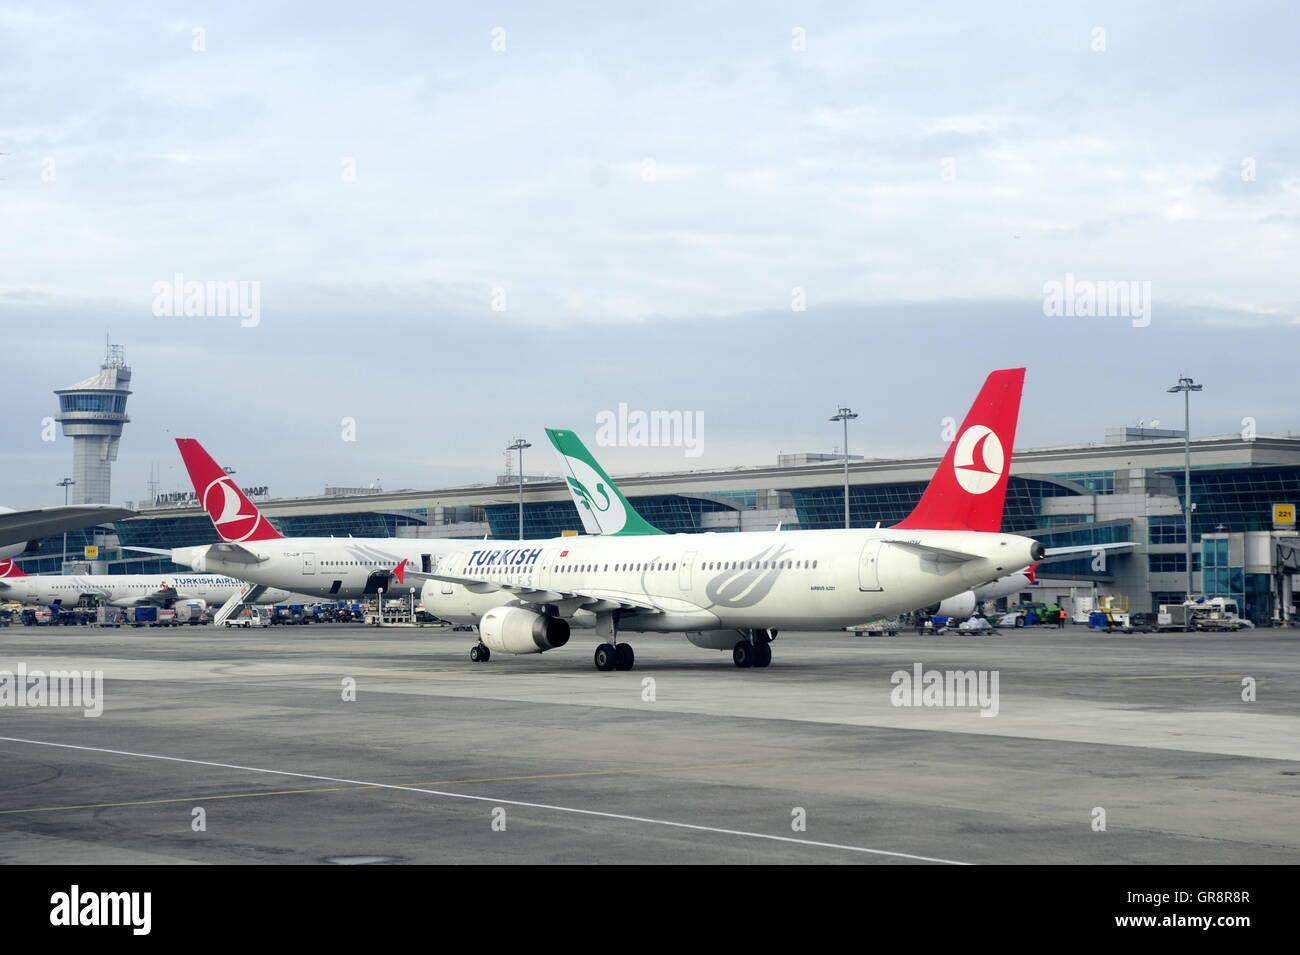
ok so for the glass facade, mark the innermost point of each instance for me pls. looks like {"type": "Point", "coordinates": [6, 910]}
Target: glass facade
{"type": "Point", "coordinates": [1166, 529]}
{"type": "Point", "coordinates": [1253, 592]}
{"type": "Point", "coordinates": [1240, 499]}
{"type": "Point", "coordinates": [1220, 580]}
{"type": "Point", "coordinates": [671, 513]}
{"type": "Point", "coordinates": [47, 556]}
{"type": "Point", "coordinates": [357, 524]}
{"type": "Point", "coordinates": [823, 507]}
{"type": "Point", "coordinates": [166, 532]}
{"type": "Point", "coordinates": [1172, 563]}
{"type": "Point", "coordinates": [107, 403]}
{"type": "Point", "coordinates": [1099, 482]}
{"type": "Point", "coordinates": [1089, 565]}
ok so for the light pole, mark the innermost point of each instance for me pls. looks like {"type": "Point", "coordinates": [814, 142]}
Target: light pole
{"type": "Point", "coordinates": [1187, 386]}
{"type": "Point", "coordinates": [519, 446]}
{"type": "Point", "coordinates": [846, 415]}
{"type": "Point", "coordinates": [65, 484]}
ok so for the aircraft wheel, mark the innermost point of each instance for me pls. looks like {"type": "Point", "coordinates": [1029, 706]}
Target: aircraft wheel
{"type": "Point", "coordinates": [743, 654]}
{"type": "Point", "coordinates": [624, 658]}
{"type": "Point", "coordinates": [606, 657]}
{"type": "Point", "coordinates": [762, 654]}
{"type": "Point", "coordinates": [480, 654]}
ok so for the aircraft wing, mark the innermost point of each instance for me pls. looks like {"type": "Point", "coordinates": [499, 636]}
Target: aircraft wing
{"type": "Point", "coordinates": [164, 596]}
{"type": "Point", "coordinates": [17, 527]}
{"type": "Point", "coordinates": [942, 555]}
{"type": "Point", "coordinates": [231, 552]}
{"type": "Point", "coordinates": [588, 599]}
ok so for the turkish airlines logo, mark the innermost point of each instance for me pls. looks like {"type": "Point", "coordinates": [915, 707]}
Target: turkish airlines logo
{"type": "Point", "coordinates": [978, 460]}
{"type": "Point", "coordinates": [225, 505]}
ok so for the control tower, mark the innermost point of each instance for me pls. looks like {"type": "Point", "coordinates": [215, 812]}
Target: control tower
{"type": "Point", "coordinates": [92, 413]}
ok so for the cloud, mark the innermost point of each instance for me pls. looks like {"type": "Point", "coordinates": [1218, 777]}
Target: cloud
{"type": "Point", "coordinates": [644, 190]}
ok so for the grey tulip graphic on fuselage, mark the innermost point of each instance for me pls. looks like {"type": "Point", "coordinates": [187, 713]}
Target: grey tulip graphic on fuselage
{"type": "Point", "coordinates": [749, 582]}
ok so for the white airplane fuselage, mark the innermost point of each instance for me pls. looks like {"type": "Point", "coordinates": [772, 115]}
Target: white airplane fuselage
{"type": "Point", "coordinates": [793, 580]}
{"type": "Point", "coordinates": [1005, 586]}
{"type": "Point", "coordinates": [333, 568]}
{"type": "Point", "coordinates": [126, 590]}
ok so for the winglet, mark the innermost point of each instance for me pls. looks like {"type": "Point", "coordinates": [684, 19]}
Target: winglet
{"type": "Point", "coordinates": [601, 505]}
{"type": "Point", "coordinates": [400, 572]}
{"type": "Point", "coordinates": [235, 517]}
{"type": "Point", "coordinates": [969, 490]}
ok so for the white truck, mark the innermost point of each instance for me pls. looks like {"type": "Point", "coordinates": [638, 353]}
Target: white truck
{"type": "Point", "coordinates": [250, 617]}
{"type": "Point", "coordinates": [1202, 614]}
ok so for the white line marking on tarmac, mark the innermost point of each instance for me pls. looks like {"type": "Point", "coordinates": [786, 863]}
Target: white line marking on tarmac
{"type": "Point", "coordinates": [499, 802]}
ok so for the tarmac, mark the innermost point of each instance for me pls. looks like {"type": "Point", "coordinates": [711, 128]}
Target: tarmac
{"type": "Point", "coordinates": [349, 744]}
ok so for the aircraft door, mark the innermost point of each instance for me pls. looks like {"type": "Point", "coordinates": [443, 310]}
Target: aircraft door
{"type": "Point", "coordinates": [869, 566]}
{"type": "Point", "coordinates": [684, 570]}
{"type": "Point", "coordinates": [308, 564]}
{"type": "Point", "coordinates": [544, 568]}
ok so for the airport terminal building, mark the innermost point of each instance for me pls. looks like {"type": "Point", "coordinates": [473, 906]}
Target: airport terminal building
{"type": "Point", "coordinates": [1126, 488]}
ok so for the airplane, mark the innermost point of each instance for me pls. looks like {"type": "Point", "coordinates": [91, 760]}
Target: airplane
{"type": "Point", "coordinates": [122, 590]}
{"type": "Point", "coordinates": [736, 591]}
{"type": "Point", "coordinates": [251, 549]}
{"type": "Point", "coordinates": [964, 604]}
{"type": "Point", "coordinates": [604, 513]}
{"type": "Point", "coordinates": [20, 529]}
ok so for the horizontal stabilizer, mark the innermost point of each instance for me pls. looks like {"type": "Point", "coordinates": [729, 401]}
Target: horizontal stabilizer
{"type": "Point", "coordinates": [1081, 550]}
{"type": "Point", "coordinates": [234, 553]}
{"type": "Point", "coordinates": [941, 554]}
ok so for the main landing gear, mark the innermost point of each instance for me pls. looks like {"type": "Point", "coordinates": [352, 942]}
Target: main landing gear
{"type": "Point", "coordinates": [480, 654]}
{"type": "Point", "coordinates": [611, 656]}
{"type": "Point", "coordinates": [755, 650]}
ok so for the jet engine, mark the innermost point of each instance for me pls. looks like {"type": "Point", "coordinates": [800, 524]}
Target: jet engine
{"type": "Point", "coordinates": [516, 630]}
{"type": "Point", "coordinates": [960, 606]}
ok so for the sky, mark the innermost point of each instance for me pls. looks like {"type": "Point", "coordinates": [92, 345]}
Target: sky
{"type": "Point", "coordinates": [465, 223]}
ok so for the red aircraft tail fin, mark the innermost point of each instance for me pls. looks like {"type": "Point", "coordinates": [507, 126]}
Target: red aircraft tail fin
{"type": "Point", "coordinates": [968, 491]}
